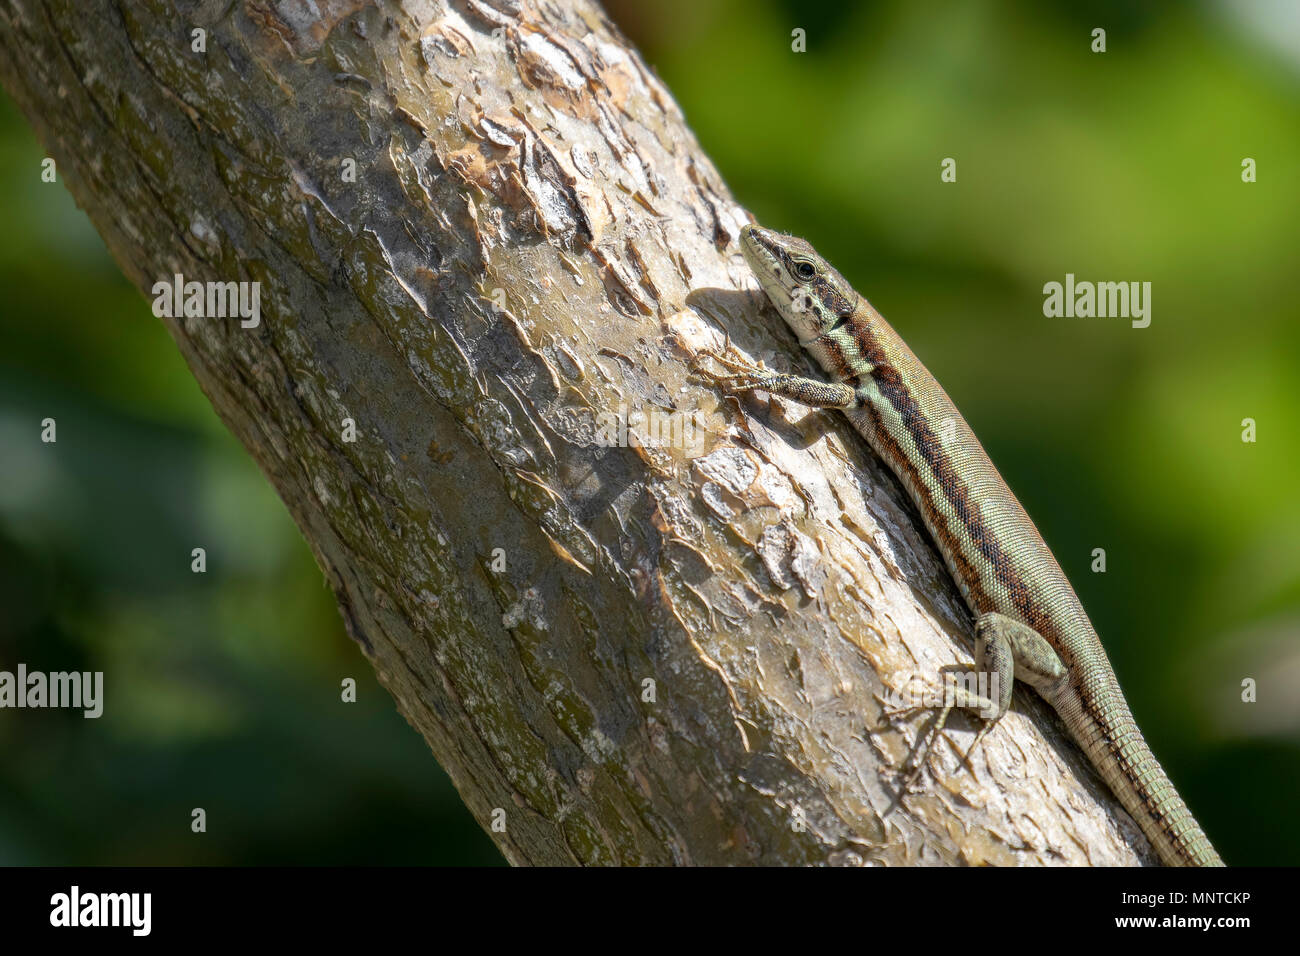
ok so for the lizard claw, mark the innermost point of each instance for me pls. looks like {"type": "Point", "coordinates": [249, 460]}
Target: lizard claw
{"type": "Point", "coordinates": [742, 374]}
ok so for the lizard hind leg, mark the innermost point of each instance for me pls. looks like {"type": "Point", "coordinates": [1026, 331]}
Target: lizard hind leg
{"type": "Point", "coordinates": [1004, 646]}
{"type": "Point", "coordinates": [956, 694]}
{"type": "Point", "coordinates": [1005, 649]}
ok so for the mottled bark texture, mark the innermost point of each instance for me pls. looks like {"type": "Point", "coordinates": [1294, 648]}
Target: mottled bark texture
{"type": "Point", "coordinates": [621, 652]}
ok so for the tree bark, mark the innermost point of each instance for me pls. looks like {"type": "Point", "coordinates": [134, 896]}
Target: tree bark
{"type": "Point", "coordinates": [623, 651]}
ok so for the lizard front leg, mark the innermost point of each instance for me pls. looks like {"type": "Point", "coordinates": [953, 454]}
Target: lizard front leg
{"type": "Point", "coordinates": [747, 376]}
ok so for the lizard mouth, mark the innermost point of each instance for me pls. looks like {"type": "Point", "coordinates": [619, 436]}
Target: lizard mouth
{"type": "Point", "coordinates": [759, 249]}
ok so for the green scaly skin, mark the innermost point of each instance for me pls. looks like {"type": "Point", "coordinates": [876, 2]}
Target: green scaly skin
{"type": "Point", "coordinates": [1029, 623]}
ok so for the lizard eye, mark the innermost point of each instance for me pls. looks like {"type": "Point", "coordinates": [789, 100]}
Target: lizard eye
{"type": "Point", "coordinates": [804, 269]}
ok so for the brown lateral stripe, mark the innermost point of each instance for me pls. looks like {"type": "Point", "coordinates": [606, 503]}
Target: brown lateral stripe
{"type": "Point", "coordinates": [942, 477]}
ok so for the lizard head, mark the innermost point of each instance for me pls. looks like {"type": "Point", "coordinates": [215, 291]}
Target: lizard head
{"type": "Point", "coordinates": [811, 296]}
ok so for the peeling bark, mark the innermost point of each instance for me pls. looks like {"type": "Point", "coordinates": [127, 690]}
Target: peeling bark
{"type": "Point", "coordinates": [626, 651]}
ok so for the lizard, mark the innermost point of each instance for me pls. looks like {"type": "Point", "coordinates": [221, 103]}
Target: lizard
{"type": "Point", "coordinates": [1029, 623]}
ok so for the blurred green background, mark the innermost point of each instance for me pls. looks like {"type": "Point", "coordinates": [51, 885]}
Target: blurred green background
{"type": "Point", "coordinates": [1122, 166]}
